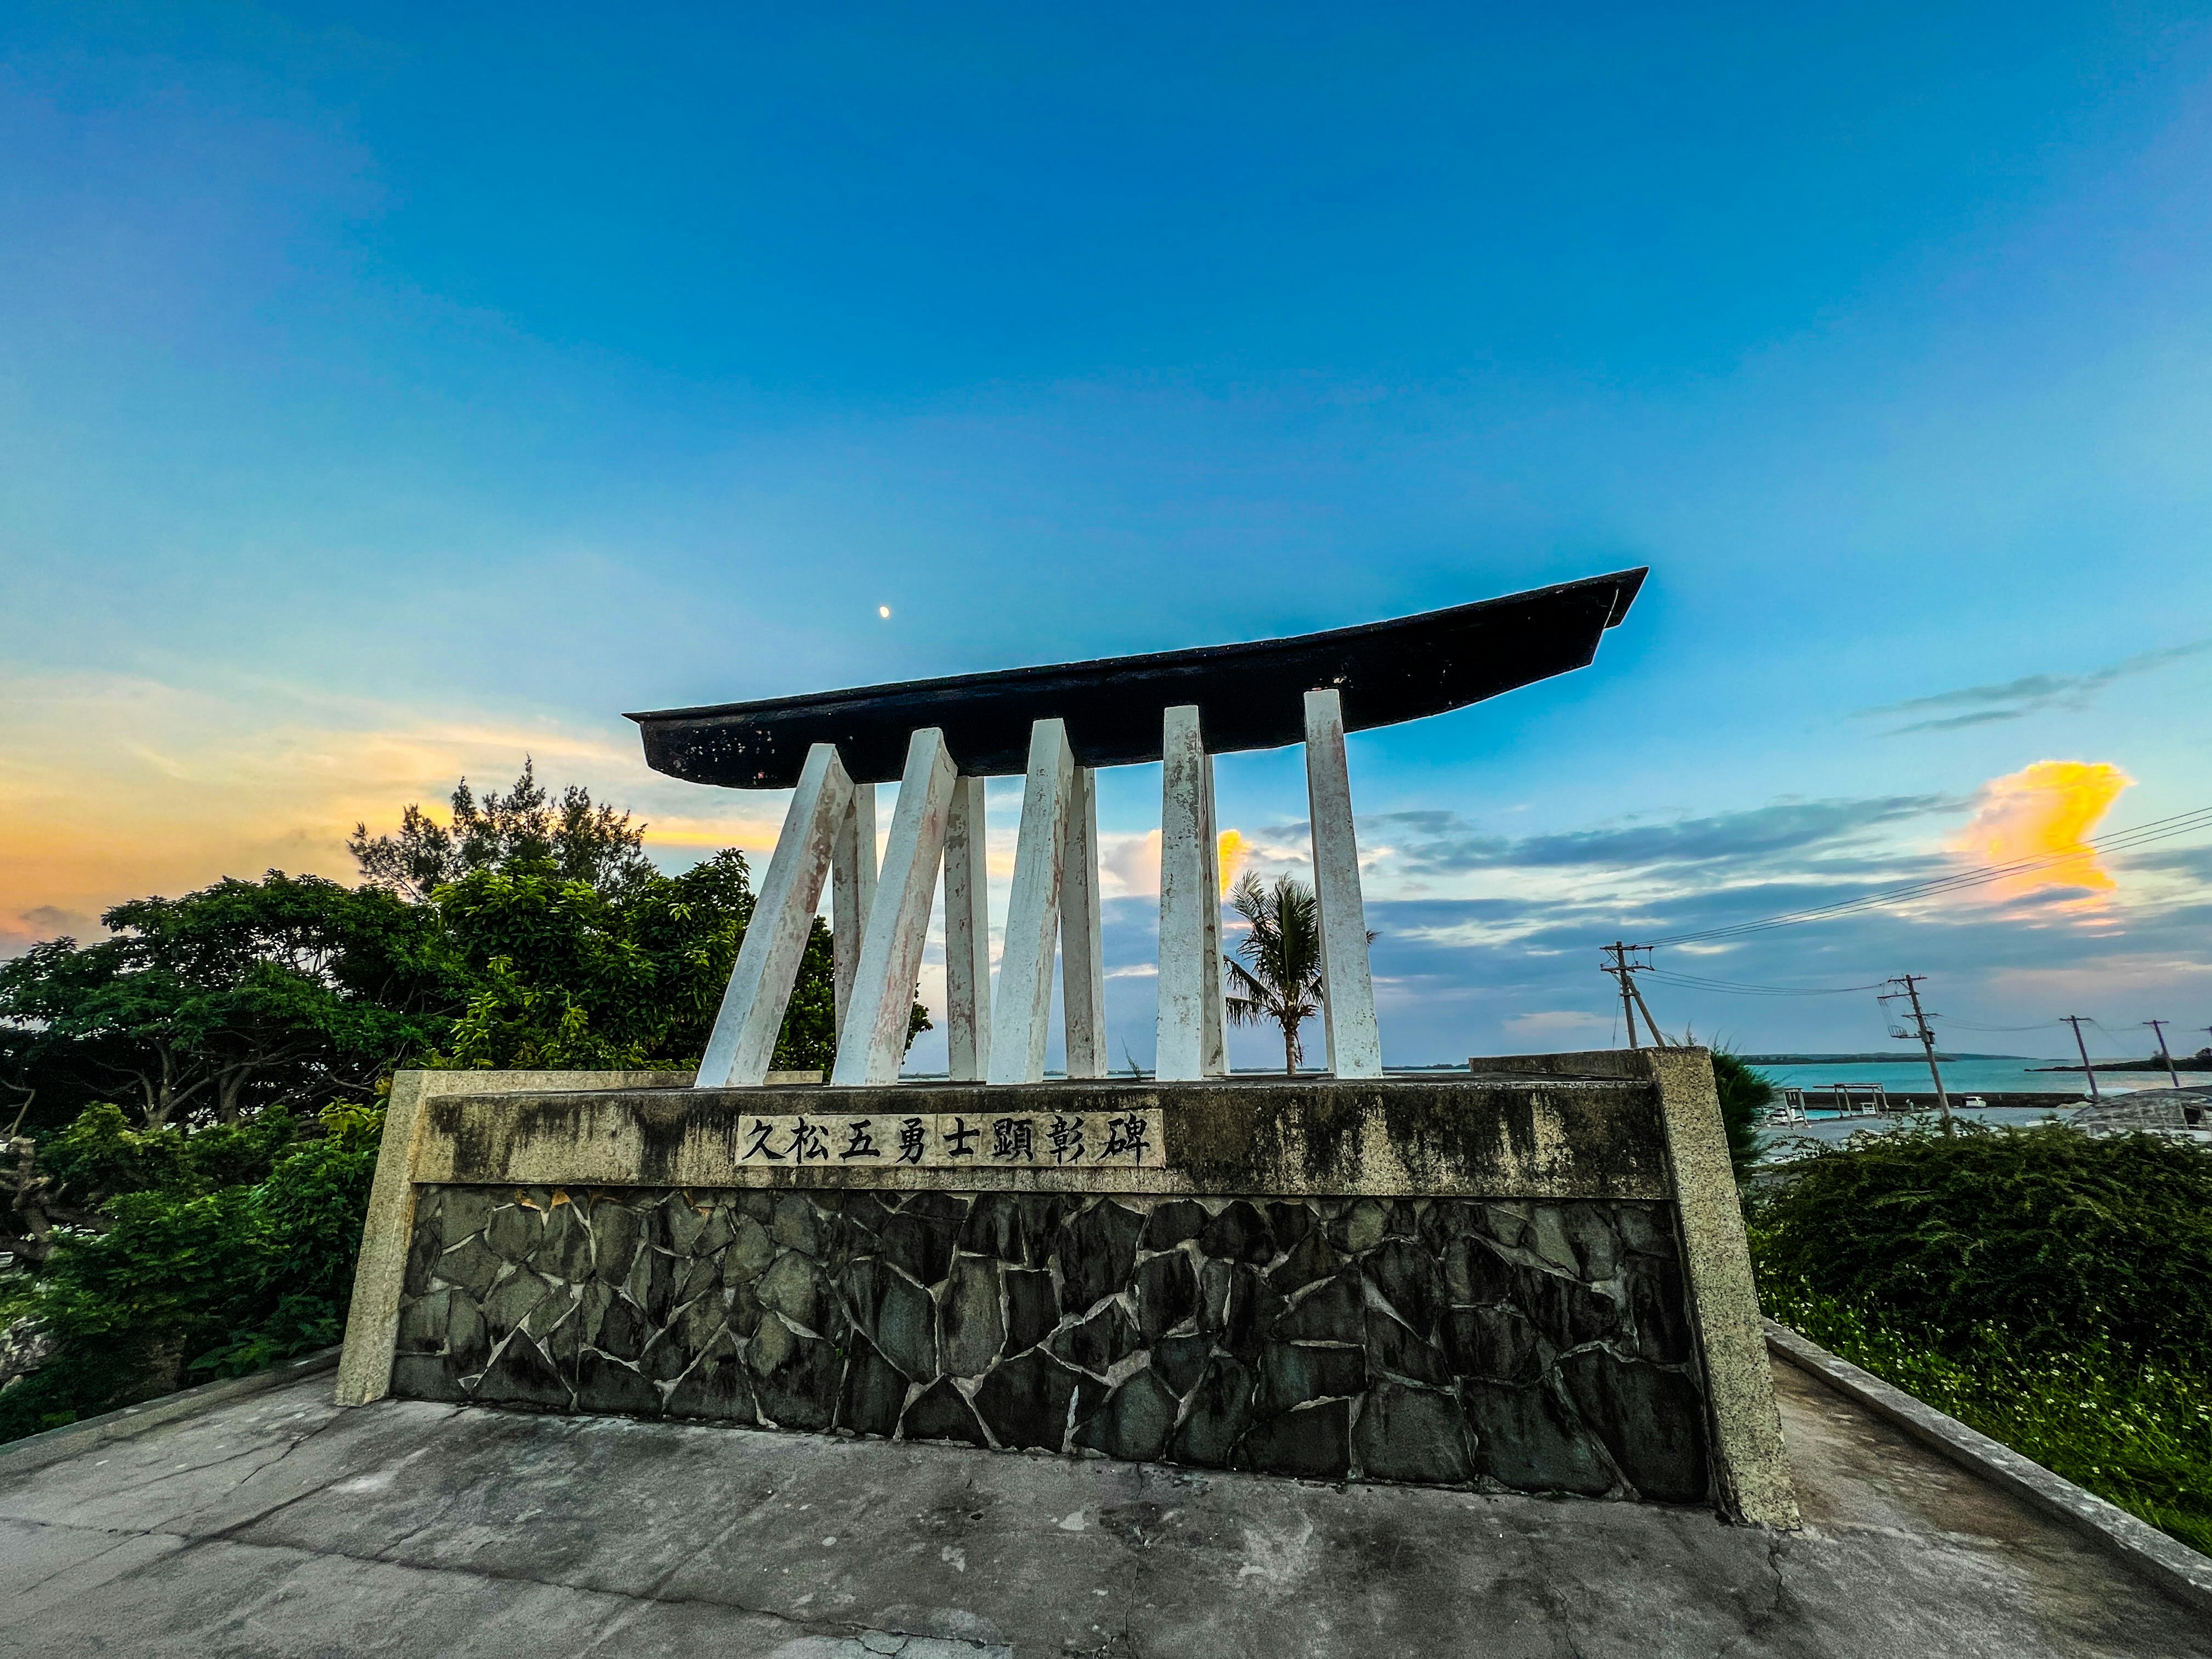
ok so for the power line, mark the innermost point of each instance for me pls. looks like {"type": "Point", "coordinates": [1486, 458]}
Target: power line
{"type": "Point", "coordinates": [2119, 841]}
{"type": "Point", "coordinates": [1731, 987]}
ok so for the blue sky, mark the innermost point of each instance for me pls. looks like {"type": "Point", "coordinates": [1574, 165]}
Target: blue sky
{"type": "Point", "coordinates": [384, 395]}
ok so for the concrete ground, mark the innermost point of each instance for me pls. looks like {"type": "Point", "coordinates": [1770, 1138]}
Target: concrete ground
{"type": "Point", "coordinates": [279, 1524]}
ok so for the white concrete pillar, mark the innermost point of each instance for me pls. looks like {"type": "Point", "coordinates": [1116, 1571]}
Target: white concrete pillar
{"type": "Point", "coordinates": [1355, 1048]}
{"type": "Point", "coordinates": [871, 1040]}
{"type": "Point", "coordinates": [967, 936]}
{"type": "Point", "coordinates": [744, 1039]}
{"type": "Point", "coordinates": [1082, 952]}
{"type": "Point", "coordinates": [1191, 1042]}
{"type": "Point", "coordinates": [852, 890]}
{"type": "Point", "coordinates": [1022, 1011]}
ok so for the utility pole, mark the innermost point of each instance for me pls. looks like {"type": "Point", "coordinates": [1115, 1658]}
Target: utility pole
{"type": "Point", "coordinates": [2172, 1076]}
{"type": "Point", "coordinates": [1912, 982]}
{"type": "Point", "coordinates": [2088, 1070]}
{"type": "Point", "coordinates": [1621, 966]}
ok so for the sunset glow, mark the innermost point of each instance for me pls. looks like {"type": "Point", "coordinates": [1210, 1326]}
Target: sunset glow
{"type": "Point", "coordinates": [1234, 850]}
{"type": "Point", "coordinates": [2045, 810]}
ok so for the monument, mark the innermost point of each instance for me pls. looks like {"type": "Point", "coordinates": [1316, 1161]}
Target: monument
{"type": "Point", "coordinates": [1533, 1278]}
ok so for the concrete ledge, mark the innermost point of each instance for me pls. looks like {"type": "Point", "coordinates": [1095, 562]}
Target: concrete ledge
{"type": "Point", "coordinates": [36, 1451]}
{"type": "Point", "coordinates": [2172, 1565]}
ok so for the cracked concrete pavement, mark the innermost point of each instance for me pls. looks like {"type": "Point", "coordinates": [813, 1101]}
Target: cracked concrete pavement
{"type": "Point", "coordinates": [280, 1524]}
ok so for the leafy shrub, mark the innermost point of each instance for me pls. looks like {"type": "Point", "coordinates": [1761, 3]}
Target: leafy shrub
{"type": "Point", "coordinates": [185, 1281]}
{"type": "Point", "coordinates": [2057, 1239]}
{"type": "Point", "coordinates": [98, 1155]}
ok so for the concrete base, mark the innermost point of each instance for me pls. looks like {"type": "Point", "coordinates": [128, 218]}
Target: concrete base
{"type": "Point", "coordinates": [281, 1525]}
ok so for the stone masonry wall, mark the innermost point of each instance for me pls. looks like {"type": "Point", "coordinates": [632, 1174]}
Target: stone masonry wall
{"type": "Point", "coordinates": [1531, 1346]}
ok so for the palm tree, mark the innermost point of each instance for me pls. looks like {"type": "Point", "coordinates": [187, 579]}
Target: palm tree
{"type": "Point", "coordinates": [1282, 987]}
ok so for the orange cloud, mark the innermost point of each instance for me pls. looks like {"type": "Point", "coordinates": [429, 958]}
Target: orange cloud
{"type": "Point", "coordinates": [1234, 850]}
{"type": "Point", "coordinates": [2048, 810]}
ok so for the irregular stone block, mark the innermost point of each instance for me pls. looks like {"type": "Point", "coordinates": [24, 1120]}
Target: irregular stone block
{"type": "Point", "coordinates": [1180, 1361]}
{"type": "Point", "coordinates": [1475, 1274]}
{"type": "Point", "coordinates": [1310, 1259]}
{"type": "Point", "coordinates": [606, 1385]}
{"type": "Point", "coordinates": [520, 1374]}
{"type": "Point", "coordinates": [1097, 1252]}
{"type": "Point", "coordinates": [473, 1266]}
{"type": "Point", "coordinates": [1289, 1221]}
{"type": "Point", "coordinates": [796, 1227]}
{"type": "Point", "coordinates": [565, 1252]}
{"type": "Point", "coordinates": [652, 1282]}
{"type": "Point", "coordinates": [1173, 1221]}
{"type": "Point", "coordinates": [1290, 1374]}
{"type": "Point", "coordinates": [1100, 1342]}
{"type": "Point", "coordinates": [897, 1314]}
{"type": "Point", "coordinates": [749, 1253]}
{"type": "Point", "coordinates": [1017, 1228]}
{"type": "Point", "coordinates": [1565, 1309]}
{"type": "Point", "coordinates": [939, 1413]}
{"type": "Point", "coordinates": [1167, 1293]}
{"type": "Point", "coordinates": [797, 1377]}
{"type": "Point", "coordinates": [1134, 1422]}
{"type": "Point", "coordinates": [1412, 1435]}
{"type": "Point", "coordinates": [614, 1235]}
{"type": "Point", "coordinates": [425, 1246]}
{"type": "Point", "coordinates": [1658, 1308]}
{"type": "Point", "coordinates": [920, 1246]}
{"type": "Point", "coordinates": [1498, 1344]}
{"type": "Point", "coordinates": [1394, 1351]}
{"type": "Point", "coordinates": [1652, 1421]}
{"type": "Point", "coordinates": [1360, 1227]}
{"type": "Point", "coordinates": [699, 1275]}
{"type": "Point", "coordinates": [1032, 1307]}
{"type": "Point", "coordinates": [463, 1211]}
{"type": "Point", "coordinates": [1597, 1247]}
{"type": "Point", "coordinates": [422, 1324]}
{"type": "Point", "coordinates": [971, 1334]}
{"type": "Point", "coordinates": [1405, 1276]}
{"type": "Point", "coordinates": [1646, 1229]}
{"type": "Point", "coordinates": [873, 1394]}
{"type": "Point", "coordinates": [514, 1231]}
{"type": "Point", "coordinates": [623, 1331]}
{"type": "Point", "coordinates": [1525, 1438]}
{"type": "Point", "coordinates": [1239, 1233]}
{"type": "Point", "coordinates": [1313, 1443]}
{"type": "Point", "coordinates": [512, 1299]}
{"type": "Point", "coordinates": [552, 1309]}
{"type": "Point", "coordinates": [717, 1388]}
{"type": "Point", "coordinates": [795, 1288]}
{"type": "Point", "coordinates": [468, 1341]}
{"type": "Point", "coordinates": [426, 1376]}
{"type": "Point", "coordinates": [1028, 1401]}
{"type": "Point", "coordinates": [1220, 1412]}
{"type": "Point", "coordinates": [1335, 1311]}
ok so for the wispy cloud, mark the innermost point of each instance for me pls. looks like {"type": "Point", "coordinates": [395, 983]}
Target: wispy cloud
{"type": "Point", "coordinates": [1983, 705]}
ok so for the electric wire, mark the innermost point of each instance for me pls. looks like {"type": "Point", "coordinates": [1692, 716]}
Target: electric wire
{"type": "Point", "coordinates": [1695, 982]}
{"type": "Point", "coordinates": [2119, 841]}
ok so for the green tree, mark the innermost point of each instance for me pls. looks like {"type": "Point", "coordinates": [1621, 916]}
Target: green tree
{"type": "Point", "coordinates": [289, 990]}
{"type": "Point", "coordinates": [582, 840]}
{"type": "Point", "coordinates": [1282, 942]}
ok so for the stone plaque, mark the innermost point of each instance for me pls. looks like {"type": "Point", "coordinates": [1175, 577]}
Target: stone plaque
{"type": "Point", "coordinates": [1002, 1140]}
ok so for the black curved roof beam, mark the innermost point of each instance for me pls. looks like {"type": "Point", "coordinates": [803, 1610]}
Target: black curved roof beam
{"type": "Point", "coordinates": [1250, 696]}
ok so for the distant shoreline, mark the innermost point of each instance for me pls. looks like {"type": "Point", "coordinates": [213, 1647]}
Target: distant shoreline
{"type": "Point", "coordinates": [1881, 1059]}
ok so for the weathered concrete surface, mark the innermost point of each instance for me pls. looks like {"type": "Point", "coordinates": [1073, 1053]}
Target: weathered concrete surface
{"type": "Point", "coordinates": [282, 1525]}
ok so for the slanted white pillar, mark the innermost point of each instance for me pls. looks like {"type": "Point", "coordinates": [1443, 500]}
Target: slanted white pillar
{"type": "Point", "coordinates": [966, 937]}
{"type": "Point", "coordinates": [1022, 1011]}
{"type": "Point", "coordinates": [1355, 1048]}
{"type": "Point", "coordinates": [1082, 953]}
{"type": "Point", "coordinates": [871, 1042]}
{"type": "Point", "coordinates": [1191, 1042]}
{"type": "Point", "coordinates": [744, 1039]}
{"type": "Point", "coordinates": [852, 890]}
